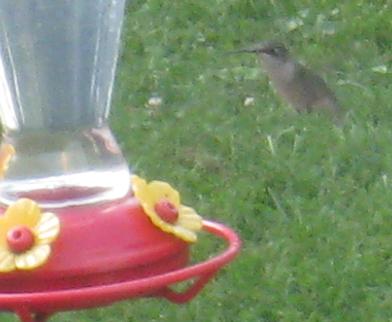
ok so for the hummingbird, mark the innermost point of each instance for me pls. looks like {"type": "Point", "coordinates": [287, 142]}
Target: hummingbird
{"type": "Point", "coordinates": [299, 86]}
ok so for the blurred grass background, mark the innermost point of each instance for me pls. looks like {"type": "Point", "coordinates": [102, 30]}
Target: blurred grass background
{"type": "Point", "coordinates": [311, 202]}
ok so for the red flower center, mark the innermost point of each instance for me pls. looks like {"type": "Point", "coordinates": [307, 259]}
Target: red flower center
{"type": "Point", "coordinates": [20, 239]}
{"type": "Point", "coordinates": [166, 211]}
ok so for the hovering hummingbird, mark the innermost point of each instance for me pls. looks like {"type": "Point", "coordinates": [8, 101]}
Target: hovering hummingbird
{"type": "Point", "coordinates": [299, 86]}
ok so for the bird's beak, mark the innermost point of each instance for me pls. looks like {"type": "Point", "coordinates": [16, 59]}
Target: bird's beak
{"type": "Point", "coordinates": [252, 50]}
{"type": "Point", "coordinates": [241, 51]}
{"type": "Point", "coordinates": [244, 50]}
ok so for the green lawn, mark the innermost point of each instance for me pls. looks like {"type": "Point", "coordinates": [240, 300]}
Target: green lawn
{"type": "Point", "coordinates": [312, 202]}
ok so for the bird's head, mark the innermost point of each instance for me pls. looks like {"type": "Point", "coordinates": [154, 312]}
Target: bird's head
{"type": "Point", "coordinates": [270, 50]}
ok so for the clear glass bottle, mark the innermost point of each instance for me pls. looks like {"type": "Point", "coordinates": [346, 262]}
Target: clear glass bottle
{"type": "Point", "coordinates": [57, 67]}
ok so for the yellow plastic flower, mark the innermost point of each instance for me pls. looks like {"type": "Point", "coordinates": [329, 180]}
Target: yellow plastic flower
{"type": "Point", "coordinates": [25, 236]}
{"type": "Point", "coordinates": [7, 151]}
{"type": "Point", "coordinates": [162, 205]}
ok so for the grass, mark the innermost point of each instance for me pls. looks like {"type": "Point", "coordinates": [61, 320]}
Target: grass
{"type": "Point", "coordinates": [312, 202]}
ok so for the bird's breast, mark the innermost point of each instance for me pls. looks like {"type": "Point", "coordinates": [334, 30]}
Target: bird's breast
{"type": "Point", "coordinates": [292, 91]}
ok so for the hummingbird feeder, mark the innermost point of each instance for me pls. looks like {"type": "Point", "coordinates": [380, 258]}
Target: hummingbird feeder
{"type": "Point", "coordinates": [77, 229]}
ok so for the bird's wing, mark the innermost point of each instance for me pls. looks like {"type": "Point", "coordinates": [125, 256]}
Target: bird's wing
{"type": "Point", "coordinates": [313, 86]}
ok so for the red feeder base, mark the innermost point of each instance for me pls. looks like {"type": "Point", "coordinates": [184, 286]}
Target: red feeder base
{"type": "Point", "coordinates": [106, 253]}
